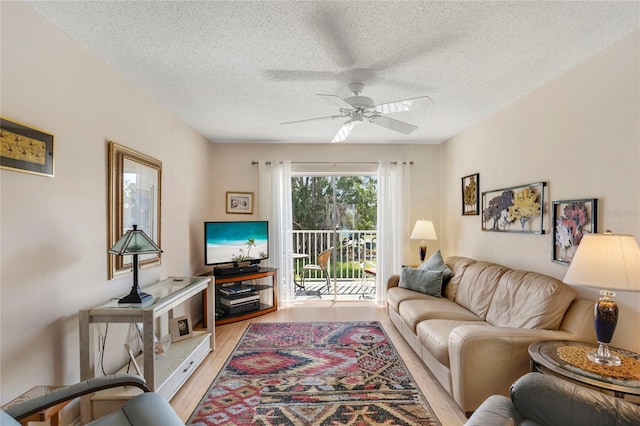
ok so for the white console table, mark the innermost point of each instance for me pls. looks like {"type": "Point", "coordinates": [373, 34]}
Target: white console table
{"type": "Point", "coordinates": [166, 374]}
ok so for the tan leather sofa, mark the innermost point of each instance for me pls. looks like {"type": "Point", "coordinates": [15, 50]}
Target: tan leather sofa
{"type": "Point", "coordinates": [475, 338]}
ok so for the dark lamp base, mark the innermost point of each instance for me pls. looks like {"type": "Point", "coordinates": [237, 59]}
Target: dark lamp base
{"type": "Point", "coordinates": [136, 296]}
{"type": "Point", "coordinates": [423, 252]}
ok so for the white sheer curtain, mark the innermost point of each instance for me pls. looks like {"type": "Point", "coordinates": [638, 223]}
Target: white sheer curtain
{"type": "Point", "coordinates": [275, 206]}
{"type": "Point", "coordinates": [393, 184]}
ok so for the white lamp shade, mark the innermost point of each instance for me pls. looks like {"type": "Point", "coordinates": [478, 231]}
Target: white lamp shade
{"type": "Point", "coordinates": [423, 230]}
{"type": "Point", "coordinates": [607, 261]}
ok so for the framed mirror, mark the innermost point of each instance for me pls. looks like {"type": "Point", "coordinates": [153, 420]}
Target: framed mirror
{"type": "Point", "coordinates": [135, 181]}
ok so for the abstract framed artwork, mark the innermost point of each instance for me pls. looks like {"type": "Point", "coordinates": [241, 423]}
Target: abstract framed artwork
{"type": "Point", "coordinates": [240, 202]}
{"type": "Point", "coordinates": [518, 209]}
{"type": "Point", "coordinates": [471, 195]}
{"type": "Point", "coordinates": [571, 220]}
{"type": "Point", "coordinates": [25, 149]}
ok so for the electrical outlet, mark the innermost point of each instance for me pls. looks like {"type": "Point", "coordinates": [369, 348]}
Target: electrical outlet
{"type": "Point", "coordinates": [100, 342]}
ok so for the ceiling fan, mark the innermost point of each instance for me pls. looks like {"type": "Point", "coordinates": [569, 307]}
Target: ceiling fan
{"type": "Point", "coordinates": [358, 108]}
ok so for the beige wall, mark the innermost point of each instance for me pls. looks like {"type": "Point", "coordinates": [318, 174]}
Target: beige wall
{"type": "Point", "coordinates": [54, 230]}
{"type": "Point", "coordinates": [234, 172]}
{"type": "Point", "coordinates": [580, 133]}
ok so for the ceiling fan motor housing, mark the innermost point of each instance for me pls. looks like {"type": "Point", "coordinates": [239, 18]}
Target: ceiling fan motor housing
{"type": "Point", "coordinates": [360, 102]}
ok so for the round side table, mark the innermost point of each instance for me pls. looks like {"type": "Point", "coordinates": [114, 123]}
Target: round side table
{"type": "Point", "coordinates": [545, 359]}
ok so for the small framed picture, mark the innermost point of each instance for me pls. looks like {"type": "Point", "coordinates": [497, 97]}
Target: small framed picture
{"type": "Point", "coordinates": [240, 202]}
{"type": "Point", "coordinates": [572, 219]}
{"type": "Point", "coordinates": [25, 149]}
{"type": "Point", "coordinates": [180, 328]}
{"type": "Point", "coordinates": [471, 195]}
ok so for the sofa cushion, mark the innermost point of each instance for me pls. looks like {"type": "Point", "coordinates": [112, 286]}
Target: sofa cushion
{"type": "Point", "coordinates": [434, 336]}
{"type": "Point", "coordinates": [396, 295]}
{"type": "Point", "coordinates": [414, 311]}
{"type": "Point", "coordinates": [422, 280]}
{"type": "Point", "coordinates": [458, 265]}
{"type": "Point", "coordinates": [436, 263]}
{"type": "Point", "coordinates": [529, 300]}
{"type": "Point", "coordinates": [478, 283]}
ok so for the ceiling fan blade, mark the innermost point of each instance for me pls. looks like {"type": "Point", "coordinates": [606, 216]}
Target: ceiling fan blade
{"type": "Point", "coordinates": [314, 119]}
{"type": "Point", "coordinates": [390, 123]}
{"type": "Point", "coordinates": [334, 36]}
{"type": "Point", "coordinates": [344, 131]}
{"type": "Point", "coordinates": [337, 100]}
{"type": "Point", "coordinates": [298, 75]}
{"type": "Point", "coordinates": [404, 105]}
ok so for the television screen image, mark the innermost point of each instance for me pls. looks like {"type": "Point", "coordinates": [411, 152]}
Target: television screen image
{"type": "Point", "coordinates": [235, 242]}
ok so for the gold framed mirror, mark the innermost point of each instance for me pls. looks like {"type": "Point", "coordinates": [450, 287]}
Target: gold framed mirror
{"type": "Point", "coordinates": [135, 182]}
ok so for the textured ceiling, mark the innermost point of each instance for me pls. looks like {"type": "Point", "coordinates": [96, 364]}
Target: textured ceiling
{"type": "Point", "coordinates": [235, 70]}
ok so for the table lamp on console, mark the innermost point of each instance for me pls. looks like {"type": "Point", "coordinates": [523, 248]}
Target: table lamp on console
{"type": "Point", "coordinates": [423, 230]}
{"type": "Point", "coordinates": [609, 262]}
{"type": "Point", "coordinates": [135, 242]}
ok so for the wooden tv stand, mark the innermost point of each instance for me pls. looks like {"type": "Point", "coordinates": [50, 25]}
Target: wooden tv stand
{"type": "Point", "coordinates": [268, 294]}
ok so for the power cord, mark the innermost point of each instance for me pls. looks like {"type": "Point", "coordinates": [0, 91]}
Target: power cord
{"type": "Point", "coordinates": [102, 346]}
{"type": "Point", "coordinates": [139, 340]}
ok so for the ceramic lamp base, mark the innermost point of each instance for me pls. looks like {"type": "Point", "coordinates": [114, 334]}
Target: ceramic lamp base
{"type": "Point", "coordinates": [605, 319]}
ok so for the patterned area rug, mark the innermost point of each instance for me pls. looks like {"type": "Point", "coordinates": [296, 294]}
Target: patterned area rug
{"type": "Point", "coordinates": [327, 373]}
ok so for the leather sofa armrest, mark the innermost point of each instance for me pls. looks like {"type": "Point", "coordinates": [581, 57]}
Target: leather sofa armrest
{"type": "Point", "coordinates": [393, 281]}
{"type": "Point", "coordinates": [497, 410]}
{"type": "Point", "coordinates": [547, 399]}
{"type": "Point", "coordinates": [486, 360]}
{"type": "Point", "coordinates": [31, 406]}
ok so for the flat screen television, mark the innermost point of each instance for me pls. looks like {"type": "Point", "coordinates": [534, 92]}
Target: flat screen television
{"type": "Point", "coordinates": [236, 242]}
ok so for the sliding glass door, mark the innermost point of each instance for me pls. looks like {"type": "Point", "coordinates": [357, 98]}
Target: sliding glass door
{"type": "Point", "coordinates": [334, 235]}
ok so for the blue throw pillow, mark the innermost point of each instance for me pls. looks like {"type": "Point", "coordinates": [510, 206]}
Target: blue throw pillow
{"type": "Point", "coordinates": [436, 263]}
{"type": "Point", "coordinates": [424, 281]}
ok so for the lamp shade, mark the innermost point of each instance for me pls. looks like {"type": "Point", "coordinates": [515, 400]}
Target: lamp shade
{"type": "Point", "coordinates": [134, 241]}
{"type": "Point", "coordinates": [609, 261]}
{"type": "Point", "coordinates": [423, 230]}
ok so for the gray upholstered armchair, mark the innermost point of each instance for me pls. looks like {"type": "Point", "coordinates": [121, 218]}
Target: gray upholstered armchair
{"type": "Point", "coordinates": [145, 409]}
{"type": "Point", "coordinates": [539, 399]}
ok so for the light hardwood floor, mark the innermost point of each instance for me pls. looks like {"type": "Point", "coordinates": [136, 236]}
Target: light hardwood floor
{"type": "Point", "coordinates": [227, 337]}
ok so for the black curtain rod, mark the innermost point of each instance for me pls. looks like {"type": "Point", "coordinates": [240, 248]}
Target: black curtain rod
{"type": "Point", "coordinates": [253, 163]}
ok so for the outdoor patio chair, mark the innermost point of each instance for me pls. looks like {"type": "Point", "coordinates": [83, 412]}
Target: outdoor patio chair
{"type": "Point", "coordinates": [323, 261]}
{"type": "Point", "coordinates": [369, 273]}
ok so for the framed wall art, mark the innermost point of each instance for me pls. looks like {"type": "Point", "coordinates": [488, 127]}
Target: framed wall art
{"type": "Point", "coordinates": [517, 209]}
{"type": "Point", "coordinates": [134, 198]}
{"type": "Point", "coordinates": [571, 220]}
{"type": "Point", "coordinates": [471, 195]}
{"type": "Point", "coordinates": [240, 202]}
{"type": "Point", "coordinates": [180, 328]}
{"type": "Point", "coordinates": [25, 149]}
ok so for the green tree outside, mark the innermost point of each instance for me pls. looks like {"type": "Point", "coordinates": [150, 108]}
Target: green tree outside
{"type": "Point", "coordinates": [356, 202]}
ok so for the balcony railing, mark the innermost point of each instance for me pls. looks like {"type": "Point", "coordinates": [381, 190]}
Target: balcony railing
{"type": "Point", "coordinates": [354, 250]}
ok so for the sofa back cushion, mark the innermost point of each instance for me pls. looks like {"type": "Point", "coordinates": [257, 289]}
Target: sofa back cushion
{"type": "Point", "coordinates": [458, 265]}
{"type": "Point", "coordinates": [529, 300]}
{"type": "Point", "coordinates": [477, 286]}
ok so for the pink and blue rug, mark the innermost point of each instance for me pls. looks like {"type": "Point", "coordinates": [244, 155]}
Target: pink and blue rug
{"type": "Point", "coordinates": [324, 373]}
